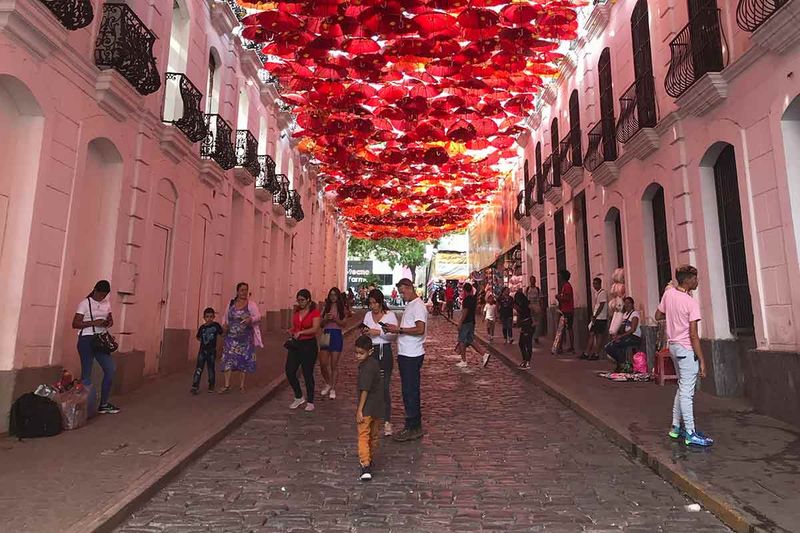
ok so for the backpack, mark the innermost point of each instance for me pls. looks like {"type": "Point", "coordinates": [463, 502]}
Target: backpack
{"type": "Point", "coordinates": [34, 416]}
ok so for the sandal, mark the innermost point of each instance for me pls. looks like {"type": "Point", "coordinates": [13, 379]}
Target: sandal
{"type": "Point", "coordinates": [223, 390]}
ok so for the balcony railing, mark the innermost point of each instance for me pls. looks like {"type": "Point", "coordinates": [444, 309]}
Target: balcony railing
{"type": "Point", "coordinates": [266, 179]}
{"type": "Point", "coordinates": [570, 150]}
{"type": "Point", "coordinates": [637, 109]}
{"type": "Point", "coordinates": [217, 145]}
{"type": "Point", "coordinates": [72, 14]}
{"type": "Point", "coordinates": [695, 51]}
{"type": "Point", "coordinates": [601, 148]}
{"type": "Point", "coordinates": [520, 210]}
{"type": "Point", "coordinates": [192, 122]}
{"type": "Point", "coordinates": [530, 195]}
{"type": "Point", "coordinates": [247, 152]}
{"type": "Point", "coordinates": [293, 207]}
{"type": "Point", "coordinates": [549, 179]}
{"type": "Point", "coordinates": [750, 14]}
{"type": "Point", "coordinates": [281, 195]}
{"type": "Point", "coordinates": [125, 44]}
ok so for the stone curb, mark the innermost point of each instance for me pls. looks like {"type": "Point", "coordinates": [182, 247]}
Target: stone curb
{"type": "Point", "coordinates": [148, 485]}
{"type": "Point", "coordinates": [719, 505]}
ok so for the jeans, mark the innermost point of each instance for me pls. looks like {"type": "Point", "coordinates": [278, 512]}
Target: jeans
{"type": "Point", "coordinates": [526, 341]}
{"type": "Point", "coordinates": [305, 355]}
{"type": "Point", "coordinates": [88, 356]}
{"type": "Point", "coordinates": [616, 349]}
{"type": "Point", "coordinates": [410, 368]}
{"type": "Point", "coordinates": [687, 368]}
{"type": "Point", "coordinates": [508, 327]}
{"type": "Point", "coordinates": [205, 359]}
{"type": "Point", "coordinates": [383, 353]}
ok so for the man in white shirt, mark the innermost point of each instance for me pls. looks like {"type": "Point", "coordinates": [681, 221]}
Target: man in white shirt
{"type": "Point", "coordinates": [598, 322]}
{"type": "Point", "coordinates": [410, 355]}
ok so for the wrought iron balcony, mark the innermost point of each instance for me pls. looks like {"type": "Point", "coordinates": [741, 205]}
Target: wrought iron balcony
{"type": "Point", "coordinates": [125, 44]}
{"type": "Point", "coordinates": [530, 194]}
{"type": "Point", "coordinates": [602, 147]}
{"type": "Point", "coordinates": [751, 14]}
{"type": "Point", "coordinates": [247, 152]}
{"type": "Point", "coordinates": [637, 109]}
{"type": "Point", "coordinates": [72, 14]}
{"type": "Point", "coordinates": [281, 195]}
{"type": "Point", "coordinates": [192, 121]}
{"type": "Point", "coordinates": [266, 179]}
{"type": "Point", "coordinates": [570, 151]}
{"type": "Point", "coordinates": [520, 211]}
{"type": "Point", "coordinates": [217, 145]}
{"type": "Point", "coordinates": [294, 209]}
{"type": "Point", "coordinates": [695, 51]}
{"type": "Point", "coordinates": [547, 174]}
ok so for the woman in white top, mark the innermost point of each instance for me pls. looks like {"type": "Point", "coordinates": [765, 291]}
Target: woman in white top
{"type": "Point", "coordinates": [629, 334]}
{"type": "Point", "coordinates": [374, 320]}
{"type": "Point", "coordinates": [93, 316]}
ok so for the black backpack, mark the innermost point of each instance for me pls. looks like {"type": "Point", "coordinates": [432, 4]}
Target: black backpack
{"type": "Point", "coordinates": [34, 416]}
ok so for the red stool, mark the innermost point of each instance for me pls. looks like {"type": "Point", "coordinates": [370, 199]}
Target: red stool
{"type": "Point", "coordinates": [664, 367]}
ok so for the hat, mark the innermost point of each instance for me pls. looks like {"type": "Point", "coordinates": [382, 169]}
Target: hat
{"type": "Point", "coordinates": [405, 281]}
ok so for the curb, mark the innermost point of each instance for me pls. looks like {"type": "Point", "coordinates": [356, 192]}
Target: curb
{"type": "Point", "coordinates": [143, 490]}
{"type": "Point", "coordinates": [717, 504]}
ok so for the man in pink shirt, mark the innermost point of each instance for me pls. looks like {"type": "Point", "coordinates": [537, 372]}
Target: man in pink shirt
{"type": "Point", "coordinates": [682, 313]}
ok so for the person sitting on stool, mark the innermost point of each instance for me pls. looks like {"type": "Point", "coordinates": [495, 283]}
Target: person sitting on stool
{"type": "Point", "coordinates": [629, 334]}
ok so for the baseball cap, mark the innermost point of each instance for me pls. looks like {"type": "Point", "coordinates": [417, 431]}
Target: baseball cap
{"type": "Point", "coordinates": [405, 281]}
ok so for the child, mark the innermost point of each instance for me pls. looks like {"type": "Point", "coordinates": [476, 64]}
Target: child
{"type": "Point", "coordinates": [490, 315]}
{"type": "Point", "coordinates": [371, 407]}
{"type": "Point", "coordinates": [207, 335]}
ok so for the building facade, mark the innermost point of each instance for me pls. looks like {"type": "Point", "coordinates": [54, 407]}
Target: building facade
{"type": "Point", "coordinates": [671, 136]}
{"type": "Point", "coordinates": [140, 145]}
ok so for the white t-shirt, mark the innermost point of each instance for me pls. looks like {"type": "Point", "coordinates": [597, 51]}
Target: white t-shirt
{"type": "Point", "coordinates": [413, 345]}
{"type": "Point", "coordinates": [629, 317]}
{"type": "Point", "coordinates": [601, 296]}
{"type": "Point", "coordinates": [490, 311]}
{"type": "Point", "coordinates": [100, 310]}
{"type": "Point", "coordinates": [383, 338]}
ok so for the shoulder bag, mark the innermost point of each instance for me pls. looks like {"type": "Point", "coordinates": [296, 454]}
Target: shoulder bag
{"type": "Point", "coordinates": [102, 342]}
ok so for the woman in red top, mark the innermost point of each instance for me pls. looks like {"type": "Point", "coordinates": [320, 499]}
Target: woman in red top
{"type": "Point", "coordinates": [303, 352]}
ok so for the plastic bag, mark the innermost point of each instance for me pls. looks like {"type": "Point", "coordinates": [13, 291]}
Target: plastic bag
{"type": "Point", "coordinates": [74, 407]}
{"type": "Point", "coordinates": [640, 363]}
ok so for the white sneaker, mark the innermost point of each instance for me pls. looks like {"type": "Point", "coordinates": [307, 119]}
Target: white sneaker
{"type": "Point", "coordinates": [332, 395]}
{"type": "Point", "coordinates": [387, 429]}
{"type": "Point", "coordinates": [297, 403]}
{"type": "Point", "coordinates": [461, 364]}
{"type": "Point", "coordinates": [486, 358]}
{"type": "Point", "coordinates": [309, 407]}
{"type": "Point", "coordinates": [325, 390]}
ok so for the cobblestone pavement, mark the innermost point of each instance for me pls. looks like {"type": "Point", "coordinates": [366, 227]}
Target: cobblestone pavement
{"type": "Point", "coordinates": [498, 455]}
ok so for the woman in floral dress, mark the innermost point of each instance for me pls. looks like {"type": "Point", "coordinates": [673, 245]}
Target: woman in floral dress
{"type": "Point", "coordinates": [242, 336]}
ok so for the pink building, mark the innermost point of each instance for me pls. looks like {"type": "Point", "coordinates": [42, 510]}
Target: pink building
{"type": "Point", "coordinates": [105, 110]}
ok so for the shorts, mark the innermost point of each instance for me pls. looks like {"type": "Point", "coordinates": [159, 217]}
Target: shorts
{"type": "Point", "coordinates": [466, 333]}
{"type": "Point", "coordinates": [337, 340]}
{"type": "Point", "coordinates": [568, 318]}
{"type": "Point", "coordinates": [599, 327]}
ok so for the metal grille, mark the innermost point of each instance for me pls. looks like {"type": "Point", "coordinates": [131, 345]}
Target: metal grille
{"type": "Point", "coordinates": [539, 175]}
{"type": "Point", "coordinates": [247, 152]}
{"type": "Point", "coordinates": [540, 235]}
{"type": "Point", "coordinates": [281, 196]}
{"type": "Point", "coordinates": [218, 145]}
{"type": "Point", "coordinates": [750, 14]}
{"type": "Point", "coordinates": [266, 179]}
{"type": "Point", "coordinates": [561, 240]}
{"type": "Point", "coordinates": [596, 152]}
{"type": "Point", "coordinates": [547, 174]}
{"type": "Point", "coordinates": [637, 109]}
{"type": "Point", "coordinates": [661, 240]}
{"type": "Point", "coordinates": [192, 121]}
{"type": "Point", "coordinates": [554, 143]}
{"type": "Point", "coordinates": [568, 150]}
{"type": "Point", "coordinates": [697, 49]}
{"type": "Point", "coordinates": [72, 14]}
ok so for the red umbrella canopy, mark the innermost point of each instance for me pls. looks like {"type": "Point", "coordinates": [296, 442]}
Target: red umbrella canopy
{"type": "Point", "coordinates": [410, 107]}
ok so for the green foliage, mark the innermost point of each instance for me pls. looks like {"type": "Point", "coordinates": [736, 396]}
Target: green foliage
{"type": "Point", "coordinates": [409, 253]}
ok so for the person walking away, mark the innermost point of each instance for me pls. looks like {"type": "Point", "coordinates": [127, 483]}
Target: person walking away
{"type": "Point", "coordinates": [435, 302]}
{"type": "Point", "coordinates": [450, 300]}
{"type": "Point", "coordinates": [208, 334]}
{"type": "Point", "coordinates": [682, 314]}
{"type": "Point", "coordinates": [375, 321]}
{"type": "Point", "coordinates": [490, 315]}
{"type": "Point", "coordinates": [370, 409]}
{"type": "Point", "coordinates": [598, 324]}
{"type": "Point", "coordinates": [330, 350]}
{"type": "Point", "coordinates": [525, 323]}
{"type": "Point", "coordinates": [394, 296]}
{"type": "Point", "coordinates": [302, 348]}
{"type": "Point", "coordinates": [242, 336]}
{"type": "Point", "coordinates": [97, 308]}
{"type": "Point", "coordinates": [505, 308]}
{"type": "Point", "coordinates": [566, 305]}
{"type": "Point", "coordinates": [466, 327]}
{"type": "Point", "coordinates": [411, 354]}
{"type": "Point", "coordinates": [533, 294]}
{"type": "Point", "coordinates": [629, 334]}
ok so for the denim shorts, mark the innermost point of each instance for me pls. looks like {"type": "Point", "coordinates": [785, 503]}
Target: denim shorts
{"type": "Point", "coordinates": [466, 333]}
{"type": "Point", "coordinates": [337, 340]}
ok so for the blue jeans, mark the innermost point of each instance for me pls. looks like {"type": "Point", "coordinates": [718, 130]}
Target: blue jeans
{"type": "Point", "coordinates": [205, 359]}
{"type": "Point", "coordinates": [88, 355]}
{"type": "Point", "coordinates": [410, 368]}
{"type": "Point", "coordinates": [687, 367]}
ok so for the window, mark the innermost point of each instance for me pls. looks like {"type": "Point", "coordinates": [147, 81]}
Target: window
{"type": "Point", "coordinates": [554, 140]}
{"type": "Point", "coordinates": [607, 106]}
{"type": "Point", "coordinates": [539, 187]}
{"type": "Point", "coordinates": [661, 241]}
{"type": "Point", "coordinates": [561, 241]}
{"type": "Point", "coordinates": [582, 230]}
{"type": "Point", "coordinates": [526, 178]}
{"type": "Point", "coordinates": [212, 72]}
{"type": "Point", "coordinates": [575, 128]}
{"type": "Point", "coordinates": [643, 66]}
{"type": "Point", "coordinates": [385, 279]}
{"type": "Point", "coordinates": [540, 235]}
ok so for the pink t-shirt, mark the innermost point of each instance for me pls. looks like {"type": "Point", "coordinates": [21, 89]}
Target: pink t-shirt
{"type": "Point", "coordinates": [681, 310]}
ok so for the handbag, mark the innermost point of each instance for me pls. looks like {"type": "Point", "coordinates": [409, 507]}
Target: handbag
{"type": "Point", "coordinates": [325, 340]}
{"type": "Point", "coordinates": [102, 342]}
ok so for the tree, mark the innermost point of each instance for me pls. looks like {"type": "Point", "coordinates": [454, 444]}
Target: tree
{"type": "Point", "coordinates": [409, 253]}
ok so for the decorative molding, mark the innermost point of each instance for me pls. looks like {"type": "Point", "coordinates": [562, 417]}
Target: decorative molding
{"type": "Point", "coordinates": [553, 195]}
{"type": "Point", "coordinates": [525, 222]}
{"type": "Point", "coordinates": [115, 95]}
{"type": "Point", "coordinates": [31, 24]}
{"type": "Point", "coordinates": [573, 176]}
{"type": "Point", "coordinates": [250, 63]}
{"type": "Point", "coordinates": [779, 32]}
{"type": "Point", "coordinates": [174, 143]}
{"type": "Point", "coordinates": [549, 95]}
{"type": "Point", "coordinates": [283, 119]}
{"type": "Point", "coordinates": [704, 95]}
{"type": "Point", "coordinates": [278, 210]}
{"type": "Point", "coordinates": [223, 19]}
{"type": "Point", "coordinates": [211, 173]}
{"type": "Point", "coordinates": [263, 195]}
{"type": "Point", "coordinates": [567, 68]}
{"type": "Point", "coordinates": [643, 143]}
{"type": "Point", "coordinates": [597, 20]}
{"type": "Point", "coordinates": [606, 174]}
{"type": "Point", "coordinates": [537, 211]}
{"type": "Point", "coordinates": [243, 176]}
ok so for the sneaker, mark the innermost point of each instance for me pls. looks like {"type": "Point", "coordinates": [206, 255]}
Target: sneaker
{"type": "Point", "coordinates": [332, 394]}
{"type": "Point", "coordinates": [584, 356]}
{"type": "Point", "coordinates": [194, 390]}
{"type": "Point", "coordinates": [676, 432]}
{"type": "Point", "coordinates": [211, 389]}
{"type": "Point", "coordinates": [486, 358]}
{"type": "Point", "coordinates": [108, 409]}
{"type": "Point", "coordinates": [310, 407]}
{"type": "Point", "coordinates": [325, 390]}
{"type": "Point", "coordinates": [366, 473]}
{"type": "Point", "coordinates": [297, 403]}
{"type": "Point", "coordinates": [698, 439]}
{"type": "Point", "coordinates": [408, 434]}
{"type": "Point", "coordinates": [461, 364]}
{"type": "Point", "coordinates": [387, 429]}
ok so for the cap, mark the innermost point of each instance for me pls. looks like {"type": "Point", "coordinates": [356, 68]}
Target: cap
{"type": "Point", "coordinates": [405, 281]}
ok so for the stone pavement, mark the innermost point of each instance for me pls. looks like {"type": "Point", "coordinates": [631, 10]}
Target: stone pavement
{"type": "Point", "coordinates": [498, 455]}
{"type": "Point", "coordinates": [749, 477]}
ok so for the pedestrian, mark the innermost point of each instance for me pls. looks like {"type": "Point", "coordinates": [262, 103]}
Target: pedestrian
{"type": "Point", "coordinates": [566, 305]}
{"type": "Point", "coordinates": [208, 334]}
{"type": "Point", "coordinates": [394, 296]}
{"type": "Point", "coordinates": [533, 295]}
{"type": "Point", "coordinates": [411, 355]}
{"type": "Point", "coordinates": [598, 323]}
{"type": "Point", "coordinates": [97, 308]}
{"type": "Point", "coordinates": [351, 300]}
{"type": "Point", "coordinates": [629, 334]}
{"type": "Point", "coordinates": [505, 308]}
{"type": "Point", "coordinates": [466, 327]}
{"type": "Point", "coordinates": [525, 323]}
{"type": "Point", "coordinates": [449, 300]}
{"type": "Point", "coordinates": [374, 322]}
{"type": "Point", "coordinates": [333, 320]}
{"type": "Point", "coordinates": [370, 409]}
{"type": "Point", "coordinates": [242, 336]}
{"type": "Point", "coordinates": [490, 315]}
{"type": "Point", "coordinates": [302, 348]}
{"type": "Point", "coordinates": [682, 314]}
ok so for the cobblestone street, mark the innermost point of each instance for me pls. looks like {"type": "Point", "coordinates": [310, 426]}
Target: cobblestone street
{"type": "Point", "coordinates": [498, 454]}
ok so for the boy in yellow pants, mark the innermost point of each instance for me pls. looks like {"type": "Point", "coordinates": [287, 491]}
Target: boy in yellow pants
{"type": "Point", "coordinates": [371, 408]}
